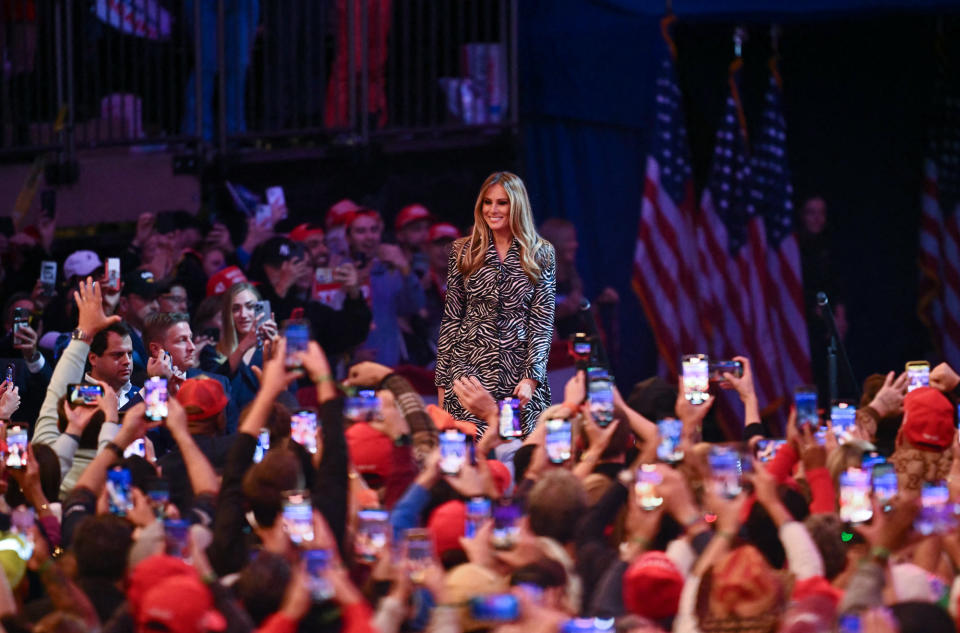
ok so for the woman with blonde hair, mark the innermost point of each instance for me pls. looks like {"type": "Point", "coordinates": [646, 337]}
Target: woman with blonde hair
{"type": "Point", "coordinates": [498, 315]}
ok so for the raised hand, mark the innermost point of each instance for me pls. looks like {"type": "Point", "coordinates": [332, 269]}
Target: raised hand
{"type": "Point", "coordinates": [92, 318]}
{"type": "Point", "coordinates": [889, 400]}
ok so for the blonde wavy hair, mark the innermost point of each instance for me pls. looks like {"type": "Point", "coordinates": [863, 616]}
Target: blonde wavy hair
{"type": "Point", "coordinates": [521, 225]}
{"type": "Point", "coordinates": [228, 331]}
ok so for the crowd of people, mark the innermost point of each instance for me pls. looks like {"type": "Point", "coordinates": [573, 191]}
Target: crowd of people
{"type": "Point", "coordinates": [218, 439]}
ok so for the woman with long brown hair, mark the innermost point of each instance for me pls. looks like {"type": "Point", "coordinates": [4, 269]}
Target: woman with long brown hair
{"type": "Point", "coordinates": [498, 316]}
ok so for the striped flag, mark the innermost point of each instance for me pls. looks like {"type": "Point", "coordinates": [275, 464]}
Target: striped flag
{"type": "Point", "coordinates": [664, 262]}
{"type": "Point", "coordinates": [772, 193]}
{"type": "Point", "coordinates": [731, 242]}
{"type": "Point", "coordinates": [939, 296]}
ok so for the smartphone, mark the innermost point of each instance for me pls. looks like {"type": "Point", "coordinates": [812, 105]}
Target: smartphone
{"type": "Point", "coordinates": [155, 398]}
{"type": "Point", "coordinates": [767, 449]}
{"type": "Point", "coordinates": [263, 445]}
{"type": "Point", "coordinates": [720, 367]}
{"type": "Point", "coordinates": [494, 609]}
{"type": "Point", "coordinates": [855, 505]}
{"type": "Point", "coordinates": [48, 203]}
{"type": "Point", "coordinates": [119, 498]}
{"type": "Point", "coordinates": [48, 277]}
{"type": "Point", "coordinates": [277, 202]}
{"type": "Point", "coordinates": [303, 429]}
{"type": "Point", "coordinates": [21, 319]}
{"type": "Point", "coordinates": [16, 447]}
{"type": "Point", "coordinates": [843, 418]}
{"type": "Point", "coordinates": [478, 512]}
{"type": "Point", "coordinates": [726, 467]}
{"type": "Point", "coordinates": [317, 562]}
{"type": "Point", "coordinates": [918, 374]}
{"type": "Point", "coordinates": [364, 407]}
{"type": "Point", "coordinates": [600, 396]}
{"type": "Point", "coordinates": [506, 517]}
{"type": "Point", "coordinates": [645, 487]}
{"type": "Point", "coordinates": [373, 528]}
{"type": "Point", "coordinates": [10, 374]}
{"type": "Point", "coordinates": [297, 334]}
{"type": "Point", "coordinates": [559, 441]}
{"type": "Point", "coordinates": [264, 216]}
{"type": "Point", "coordinates": [453, 452]}
{"type": "Point", "coordinates": [671, 432]}
{"type": "Point", "coordinates": [885, 485]}
{"type": "Point", "coordinates": [158, 492]}
{"type": "Point", "coordinates": [261, 313]}
{"type": "Point", "coordinates": [176, 534]}
{"type": "Point", "coordinates": [138, 447]}
{"type": "Point", "coordinates": [588, 625]}
{"type": "Point", "coordinates": [581, 347]}
{"type": "Point", "coordinates": [510, 427]}
{"type": "Point", "coordinates": [805, 398]}
{"type": "Point", "coordinates": [849, 623]}
{"type": "Point", "coordinates": [418, 550]}
{"type": "Point", "coordinates": [696, 378]}
{"type": "Point", "coordinates": [84, 394]}
{"type": "Point", "coordinates": [113, 274]}
{"type": "Point", "coordinates": [871, 460]}
{"type": "Point", "coordinates": [936, 514]}
{"type": "Point", "coordinates": [298, 516]}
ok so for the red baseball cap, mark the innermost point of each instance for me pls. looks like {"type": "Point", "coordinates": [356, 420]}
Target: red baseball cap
{"type": "Point", "coordinates": [928, 419]}
{"type": "Point", "coordinates": [202, 398]}
{"type": "Point", "coordinates": [443, 231]}
{"type": "Point", "coordinates": [181, 604]}
{"type": "Point", "coordinates": [447, 524]}
{"type": "Point", "coordinates": [371, 450]}
{"type": "Point", "coordinates": [224, 279]}
{"type": "Point", "coordinates": [148, 573]}
{"type": "Point", "coordinates": [500, 474]}
{"type": "Point", "coordinates": [411, 213]}
{"type": "Point", "coordinates": [353, 216]}
{"type": "Point", "coordinates": [336, 214]}
{"type": "Point", "coordinates": [652, 586]}
{"type": "Point", "coordinates": [303, 232]}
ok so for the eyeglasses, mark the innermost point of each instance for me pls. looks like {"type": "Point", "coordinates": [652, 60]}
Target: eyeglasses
{"type": "Point", "coordinates": [174, 299]}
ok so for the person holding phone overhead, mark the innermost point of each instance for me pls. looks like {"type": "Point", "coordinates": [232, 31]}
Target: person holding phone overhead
{"type": "Point", "coordinates": [498, 315]}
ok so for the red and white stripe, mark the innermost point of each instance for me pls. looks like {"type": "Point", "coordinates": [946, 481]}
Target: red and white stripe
{"type": "Point", "coordinates": [940, 266]}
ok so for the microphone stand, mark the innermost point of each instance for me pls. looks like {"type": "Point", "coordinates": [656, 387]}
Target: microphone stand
{"type": "Point", "coordinates": [600, 354]}
{"type": "Point", "coordinates": [835, 347]}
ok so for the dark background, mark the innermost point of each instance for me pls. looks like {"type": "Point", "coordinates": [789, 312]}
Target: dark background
{"type": "Point", "coordinates": [858, 90]}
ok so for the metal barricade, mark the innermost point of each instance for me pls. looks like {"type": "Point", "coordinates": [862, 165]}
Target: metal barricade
{"type": "Point", "coordinates": [224, 74]}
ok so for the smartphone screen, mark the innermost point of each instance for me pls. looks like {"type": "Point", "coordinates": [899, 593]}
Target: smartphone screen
{"type": "Point", "coordinates": [510, 419]}
{"type": "Point", "coordinates": [84, 394]}
{"type": "Point", "coordinates": [48, 276]}
{"type": "Point", "coordinates": [453, 452]}
{"type": "Point", "coordinates": [364, 407]}
{"type": "Point", "coordinates": [726, 468]}
{"type": "Point", "coordinates": [317, 562]}
{"type": "Point", "coordinates": [505, 528]}
{"type": "Point", "coordinates": [855, 505]}
{"type": "Point", "coordinates": [720, 367]}
{"type": "Point", "coordinates": [767, 449]}
{"type": "Point", "coordinates": [263, 445]}
{"type": "Point", "coordinates": [138, 447]}
{"type": "Point", "coordinates": [645, 487]}
{"type": "Point", "coordinates": [16, 447]}
{"type": "Point", "coordinates": [113, 274]}
{"type": "Point", "coordinates": [298, 516]}
{"type": "Point", "coordinates": [806, 401]}
{"type": "Point", "coordinates": [588, 625]}
{"type": "Point", "coordinates": [696, 378]}
{"type": "Point", "coordinates": [158, 492]}
{"type": "Point", "coordinates": [21, 319]}
{"type": "Point", "coordinates": [478, 512]}
{"type": "Point", "coordinates": [297, 334]}
{"type": "Point", "coordinates": [9, 375]}
{"type": "Point", "coordinates": [849, 623]}
{"type": "Point", "coordinates": [503, 607]}
{"type": "Point", "coordinates": [176, 534]}
{"type": "Point", "coordinates": [582, 348]}
{"type": "Point", "coordinates": [843, 417]}
{"type": "Point", "coordinates": [373, 527]}
{"type": "Point", "coordinates": [600, 395]}
{"type": "Point", "coordinates": [155, 399]}
{"type": "Point", "coordinates": [119, 499]}
{"type": "Point", "coordinates": [559, 440]}
{"type": "Point", "coordinates": [418, 550]}
{"type": "Point", "coordinates": [885, 485]}
{"type": "Point", "coordinates": [918, 374]}
{"type": "Point", "coordinates": [303, 429]}
{"type": "Point", "coordinates": [671, 432]}
{"type": "Point", "coordinates": [936, 514]}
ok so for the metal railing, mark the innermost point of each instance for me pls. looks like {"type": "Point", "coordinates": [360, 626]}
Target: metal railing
{"type": "Point", "coordinates": [220, 74]}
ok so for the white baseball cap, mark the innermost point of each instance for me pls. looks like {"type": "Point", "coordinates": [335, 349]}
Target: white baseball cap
{"type": "Point", "coordinates": [81, 264]}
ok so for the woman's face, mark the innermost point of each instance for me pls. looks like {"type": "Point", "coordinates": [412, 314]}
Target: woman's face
{"type": "Point", "coordinates": [496, 208]}
{"type": "Point", "coordinates": [242, 309]}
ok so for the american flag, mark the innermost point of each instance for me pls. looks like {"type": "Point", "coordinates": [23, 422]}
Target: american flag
{"type": "Point", "coordinates": [731, 242]}
{"type": "Point", "coordinates": [939, 305]}
{"type": "Point", "coordinates": [772, 194]}
{"type": "Point", "coordinates": [664, 265]}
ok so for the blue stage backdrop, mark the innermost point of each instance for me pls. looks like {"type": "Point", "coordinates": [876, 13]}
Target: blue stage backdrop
{"type": "Point", "coordinates": [858, 84]}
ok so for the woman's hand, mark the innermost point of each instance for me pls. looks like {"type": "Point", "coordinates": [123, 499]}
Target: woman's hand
{"type": "Point", "coordinates": [524, 390]}
{"type": "Point", "coordinates": [9, 401]}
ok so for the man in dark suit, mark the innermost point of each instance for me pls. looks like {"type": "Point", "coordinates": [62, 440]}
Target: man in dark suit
{"type": "Point", "coordinates": [138, 300]}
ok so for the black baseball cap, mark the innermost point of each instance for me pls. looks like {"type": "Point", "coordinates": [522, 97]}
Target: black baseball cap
{"type": "Point", "coordinates": [140, 283]}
